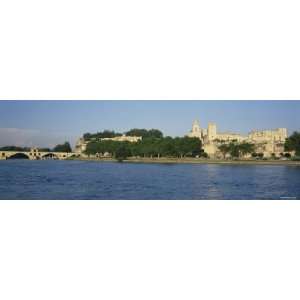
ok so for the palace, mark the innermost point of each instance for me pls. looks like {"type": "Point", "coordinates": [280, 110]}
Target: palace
{"type": "Point", "coordinates": [124, 138]}
{"type": "Point", "coordinates": [268, 142]}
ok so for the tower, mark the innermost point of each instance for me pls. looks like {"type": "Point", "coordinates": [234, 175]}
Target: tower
{"type": "Point", "coordinates": [212, 131]}
{"type": "Point", "coordinates": [282, 133]}
{"type": "Point", "coordinates": [196, 130]}
{"type": "Point", "coordinates": [196, 127]}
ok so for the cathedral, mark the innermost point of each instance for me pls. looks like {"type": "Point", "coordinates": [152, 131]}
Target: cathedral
{"type": "Point", "coordinates": [268, 142]}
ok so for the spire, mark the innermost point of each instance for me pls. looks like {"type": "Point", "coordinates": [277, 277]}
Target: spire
{"type": "Point", "coordinates": [196, 122]}
{"type": "Point", "coordinates": [196, 126]}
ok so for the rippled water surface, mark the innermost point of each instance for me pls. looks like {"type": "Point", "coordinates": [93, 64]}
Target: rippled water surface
{"type": "Point", "coordinates": [24, 179]}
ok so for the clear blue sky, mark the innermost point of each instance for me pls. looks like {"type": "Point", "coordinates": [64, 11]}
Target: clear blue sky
{"type": "Point", "coordinates": [49, 122]}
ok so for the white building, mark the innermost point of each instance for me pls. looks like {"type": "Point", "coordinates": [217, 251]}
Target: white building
{"type": "Point", "coordinates": [124, 138]}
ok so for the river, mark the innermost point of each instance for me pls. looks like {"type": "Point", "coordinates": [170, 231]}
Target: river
{"type": "Point", "coordinates": [52, 179]}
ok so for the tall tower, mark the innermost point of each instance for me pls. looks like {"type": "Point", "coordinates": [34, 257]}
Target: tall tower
{"type": "Point", "coordinates": [196, 130]}
{"type": "Point", "coordinates": [212, 131]}
{"type": "Point", "coordinates": [282, 134]}
{"type": "Point", "coordinates": [196, 127]}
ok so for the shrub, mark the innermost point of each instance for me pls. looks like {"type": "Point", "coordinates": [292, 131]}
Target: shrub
{"type": "Point", "coordinates": [204, 154]}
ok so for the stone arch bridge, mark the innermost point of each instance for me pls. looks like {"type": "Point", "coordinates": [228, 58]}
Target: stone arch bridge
{"type": "Point", "coordinates": [35, 154]}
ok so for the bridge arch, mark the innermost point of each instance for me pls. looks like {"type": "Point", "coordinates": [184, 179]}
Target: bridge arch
{"type": "Point", "coordinates": [50, 155]}
{"type": "Point", "coordinates": [18, 155]}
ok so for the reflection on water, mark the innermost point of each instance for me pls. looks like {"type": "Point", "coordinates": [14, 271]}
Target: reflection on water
{"type": "Point", "coordinates": [93, 180]}
{"type": "Point", "coordinates": [204, 181]}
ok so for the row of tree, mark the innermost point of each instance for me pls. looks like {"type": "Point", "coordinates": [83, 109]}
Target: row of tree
{"type": "Point", "coordinates": [236, 150]}
{"type": "Point", "coordinates": [100, 135]}
{"type": "Point", "coordinates": [65, 147]}
{"type": "Point", "coordinates": [149, 147]}
{"type": "Point", "coordinates": [14, 148]}
{"type": "Point", "coordinates": [144, 133]}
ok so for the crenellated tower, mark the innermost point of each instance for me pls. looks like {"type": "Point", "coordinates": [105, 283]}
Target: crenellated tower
{"type": "Point", "coordinates": [212, 131]}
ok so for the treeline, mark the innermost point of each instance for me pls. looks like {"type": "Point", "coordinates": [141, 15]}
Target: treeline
{"type": "Point", "coordinates": [14, 148]}
{"type": "Point", "coordinates": [149, 147]}
{"type": "Point", "coordinates": [65, 147]}
{"type": "Point", "coordinates": [100, 135]}
{"type": "Point", "coordinates": [144, 133]}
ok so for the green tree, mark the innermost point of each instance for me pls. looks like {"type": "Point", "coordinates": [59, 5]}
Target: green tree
{"type": "Point", "coordinates": [93, 148]}
{"type": "Point", "coordinates": [62, 147]}
{"type": "Point", "coordinates": [204, 154]}
{"type": "Point", "coordinates": [44, 149]}
{"type": "Point", "coordinates": [87, 136]}
{"type": "Point", "coordinates": [100, 135]}
{"type": "Point", "coordinates": [107, 134]}
{"type": "Point", "coordinates": [168, 147]}
{"type": "Point", "coordinates": [224, 148]}
{"type": "Point", "coordinates": [155, 133]}
{"type": "Point", "coordinates": [246, 148]}
{"type": "Point", "coordinates": [234, 150]}
{"type": "Point", "coordinates": [14, 148]}
{"type": "Point", "coordinates": [150, 147]}
{"type": "Point", "coordinates": [260, 155]}
{"type": "Point", "coordinates": [195, 146]}
{"type": "Point", "coordinates": [144, 133]}
{"type": "Point", "coordinates": [122, 152]}
{"type": "Point", "coordinates": [292, 143]}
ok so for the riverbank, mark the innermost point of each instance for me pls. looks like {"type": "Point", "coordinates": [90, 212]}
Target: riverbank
{"type": "Point", "coordinates": [195, 161]}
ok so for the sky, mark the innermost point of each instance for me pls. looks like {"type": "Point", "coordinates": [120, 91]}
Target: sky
{"type": "Point", "coordinates": [47, 123]}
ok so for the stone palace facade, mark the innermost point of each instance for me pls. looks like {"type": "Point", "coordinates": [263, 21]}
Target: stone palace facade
{"type": "Point", "coordinates": [268, 142]}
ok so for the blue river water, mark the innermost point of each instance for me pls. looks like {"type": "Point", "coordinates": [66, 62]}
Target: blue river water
{"type": "Point", "coordinates": [52, 179]}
